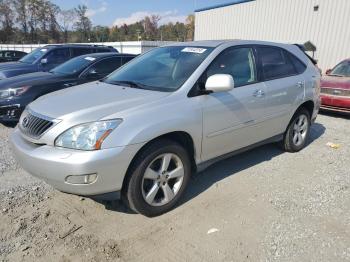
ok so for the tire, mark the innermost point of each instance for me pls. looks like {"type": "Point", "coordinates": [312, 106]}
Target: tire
{"type": "Point", "coordinates": [297, 132]}
{"type": "Point", "coordinates": [152, 188]}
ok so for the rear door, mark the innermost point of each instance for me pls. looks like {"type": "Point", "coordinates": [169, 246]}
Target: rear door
{"type": "Point", "coordinates": [233, 120]}
{"type": "Point", "coordinates": [285, 85]}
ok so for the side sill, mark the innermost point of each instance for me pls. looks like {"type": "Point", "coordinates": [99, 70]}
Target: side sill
{"type": "Point", "coordinates": [206, 164]}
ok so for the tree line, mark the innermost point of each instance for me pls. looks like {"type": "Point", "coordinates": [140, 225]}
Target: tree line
{"type": "Point", "coordinates": [41, 21]}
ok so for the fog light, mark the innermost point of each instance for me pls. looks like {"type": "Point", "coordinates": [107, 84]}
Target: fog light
{"type": "Point", "coordinates": [81, 179]}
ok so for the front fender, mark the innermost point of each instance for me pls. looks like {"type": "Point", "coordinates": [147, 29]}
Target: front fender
{"type": "Point", "coordinates": [152, 123]}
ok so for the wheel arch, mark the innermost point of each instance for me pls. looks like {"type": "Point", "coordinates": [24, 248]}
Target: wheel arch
{"type": "Point", "coordinates": [181, 137]}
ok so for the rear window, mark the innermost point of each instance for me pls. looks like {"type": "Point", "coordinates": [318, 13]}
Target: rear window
{"type": "Point", "coordinates": [276, 63]}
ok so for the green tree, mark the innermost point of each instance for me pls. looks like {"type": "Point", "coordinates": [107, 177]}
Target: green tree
{"type": "Point", "coordinates": [83, 25]}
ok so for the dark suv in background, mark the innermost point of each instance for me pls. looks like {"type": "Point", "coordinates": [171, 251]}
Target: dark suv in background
{"type": "Point", "coordinates": [11, 55]}
{"type": "Point", "coordinates": [48, 57]}
{"type": "Point", "coordinates": [17, 92]}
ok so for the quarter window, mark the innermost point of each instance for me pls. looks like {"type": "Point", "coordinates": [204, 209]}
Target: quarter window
{"type": "Point", "coordinates": [237, 62]}
{"type": "Point", "coordinates": [275, 63]}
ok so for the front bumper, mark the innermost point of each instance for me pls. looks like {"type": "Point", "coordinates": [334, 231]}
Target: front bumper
{"type": "Point", "coordinates": [54, 165]}
{"type": "Point", "coordinates": [10, 113]}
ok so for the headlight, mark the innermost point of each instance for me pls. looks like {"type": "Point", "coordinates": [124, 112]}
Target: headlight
{"type": "Point", "coordinates": [88, 136]}
{"type": "Point", "coordinates": [13, 92]}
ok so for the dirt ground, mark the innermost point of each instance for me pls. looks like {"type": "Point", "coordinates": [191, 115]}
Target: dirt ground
{"type": "Point", "coordinates": [263, 205]}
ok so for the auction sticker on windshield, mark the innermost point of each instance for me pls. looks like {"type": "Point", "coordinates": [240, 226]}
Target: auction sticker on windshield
{"type": "Point", "coordinates": [194, 50]}
{"type": "Point", "coordinates": [43, 50]}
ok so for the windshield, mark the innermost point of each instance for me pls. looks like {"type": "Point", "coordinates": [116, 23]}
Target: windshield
{"type": "Point", "coordinates": [34, 55]}
{"type": "Point", "coordinates": [73, 66]}
{"type": "Point", "coordinates": [161, 69]}
{"type": "Point", "coordinates": [342, 69]}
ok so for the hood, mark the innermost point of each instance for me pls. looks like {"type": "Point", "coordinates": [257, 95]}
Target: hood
{"type": "Point", "coordinates": [28, 80]}
{"type": "Point", "coordinates": [16, 68]}
{"type": "Point", "coordinates": [336, 82]}
{"type": "Point", "coordinates": [93, 101]}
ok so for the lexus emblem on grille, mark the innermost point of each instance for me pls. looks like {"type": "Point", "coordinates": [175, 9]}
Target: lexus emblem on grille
{"type": "Point", "coordinates": [25, 122]}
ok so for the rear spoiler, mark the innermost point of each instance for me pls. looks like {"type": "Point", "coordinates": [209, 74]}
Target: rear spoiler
{"type": "Point", "coordinates": [302, 48]}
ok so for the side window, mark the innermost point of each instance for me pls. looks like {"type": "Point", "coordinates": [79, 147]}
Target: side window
{"type": "Point", "coordinates": [299, 66]}
{"type": "Point", "coordinates": [106, 66]}
{"type": "Point", "coordinates": [81, 51]}
{"type": "Point", "coordinates": [126, 59]}
{"type": "Point", "coordinates": [275, 63]}
{"type": "Point", "coordinates": [102, 50]}
{"type": "Point", "coordinates": [58, 56]}
{"type": "Point", "coordinates": [237, 62]}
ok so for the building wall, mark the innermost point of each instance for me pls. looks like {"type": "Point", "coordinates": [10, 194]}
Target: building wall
{"type": "Point", "coordinates": [288, 21]}
{"type": "Point", "coordinates": [136, 47]}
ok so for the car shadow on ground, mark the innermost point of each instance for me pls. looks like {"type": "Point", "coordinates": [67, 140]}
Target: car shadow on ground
{"type": "Point", "coordinates": [220, 170]}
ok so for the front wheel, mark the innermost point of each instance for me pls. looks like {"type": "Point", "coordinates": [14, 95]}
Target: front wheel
{"type": "Point", "coordinates": [157, 178]}
{"type": "Point", "coordinates": [297, 133]}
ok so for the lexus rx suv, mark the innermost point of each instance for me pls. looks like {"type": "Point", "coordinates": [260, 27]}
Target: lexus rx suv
{"type": "Point", "coordinates": [143, 130]}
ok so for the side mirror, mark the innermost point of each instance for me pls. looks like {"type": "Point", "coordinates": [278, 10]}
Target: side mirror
{"type": "Point", "coordinates": [43, 61]}
{"type": "Point", "coordinates": [328, 71]}
{"type": "Point", "coordinates": [219, 83]}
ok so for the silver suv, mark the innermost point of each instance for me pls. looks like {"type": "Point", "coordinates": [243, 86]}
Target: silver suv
{"type": "Point", "coordinates": [144, 129]}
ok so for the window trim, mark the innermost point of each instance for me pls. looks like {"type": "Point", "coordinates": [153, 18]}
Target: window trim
{"type": "Point", "coordinates": [195, 92]}
{"type": "Point", "coordinates": [263, 79]}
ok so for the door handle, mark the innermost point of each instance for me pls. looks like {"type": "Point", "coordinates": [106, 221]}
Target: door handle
{"type": "Point", "coordinates": [301, 84]}
{"type": "Point", "coordinates": [259, 93]}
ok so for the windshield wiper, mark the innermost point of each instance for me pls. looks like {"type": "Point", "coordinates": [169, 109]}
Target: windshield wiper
{"type": "Point", "coordinates": [132, 84]}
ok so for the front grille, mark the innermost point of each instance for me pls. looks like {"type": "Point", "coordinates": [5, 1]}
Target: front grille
{"type": "Point", "coordinates": [335, 92]}
{"type": "Point", "coordinates": [34, 126]}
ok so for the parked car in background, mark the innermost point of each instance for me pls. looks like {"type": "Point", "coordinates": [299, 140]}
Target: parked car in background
{"type": "Point", "coordinates": [145, 128]}
{"type": "Point", "coordinates": [17, 92]}
{"type": "Point", "coordinates": [11, 55]}
{"type": "Point", "coordinates": [335, 88]}
{"type": "Point", "coordinates": [48, 57]}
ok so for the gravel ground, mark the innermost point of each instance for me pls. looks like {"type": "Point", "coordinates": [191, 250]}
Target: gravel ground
{"type": "Point", "coordinates": [263, 205]}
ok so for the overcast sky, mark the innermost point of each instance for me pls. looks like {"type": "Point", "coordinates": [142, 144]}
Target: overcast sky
{"type": "Point", "coordinates": [109, 12]}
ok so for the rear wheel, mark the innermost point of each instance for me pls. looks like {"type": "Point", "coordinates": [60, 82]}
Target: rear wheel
{"type": "Point", "coordinates": [297, 133]}
{"type": "Point", "coordinates": [157, 178]}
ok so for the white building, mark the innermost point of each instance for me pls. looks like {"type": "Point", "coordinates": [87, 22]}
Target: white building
{"type": "Point", "coordinates": [326, 23]}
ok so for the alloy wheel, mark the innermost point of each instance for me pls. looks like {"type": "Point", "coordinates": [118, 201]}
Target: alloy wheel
{"type": "Point", "coordinates": [300, 129]}
{"type": "Point", "coordinates": [162, 179]}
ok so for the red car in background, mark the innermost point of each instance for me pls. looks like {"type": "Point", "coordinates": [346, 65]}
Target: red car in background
{"type": "Point", "coordinates": [335, 88]}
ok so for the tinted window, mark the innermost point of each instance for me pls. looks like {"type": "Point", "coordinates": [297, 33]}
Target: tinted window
{"type": "Point", "coordinates": [126, 59]}
{"type": "Point", "coordinates": [102, 50]}
{"type": "Point", "coordinates": [275, 63]}
{"type": "Point", "coordinates": [58, 56]}
{"type": "Point", "coordinates": [107, 65]}
{"type": "Point", "coordinates": [81, 51]}
{"type": "Point", "coordinates": [299, 66]}
{"type": "Point", "coordinates": [237, 62]}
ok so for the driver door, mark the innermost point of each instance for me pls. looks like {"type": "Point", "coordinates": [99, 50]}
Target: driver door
{"type": "Point", "coordinates": [234, 119]}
